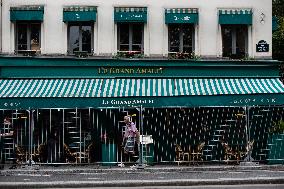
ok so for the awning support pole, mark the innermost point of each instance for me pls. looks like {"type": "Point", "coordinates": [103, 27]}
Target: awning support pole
{"type": "Point", "coordinates": [140, 163]}
{"type": "Point", "coordinates": [31, 127]}
{"type": "Point", "coordinates": [248, 161]}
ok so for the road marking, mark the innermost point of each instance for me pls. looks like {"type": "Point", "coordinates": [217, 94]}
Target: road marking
{"type": "Point", "coordinates": [93, 178]}
{"type": "Point", "coordinates": [161, 177]}
{"type": "Point", "coordinates": [33, 175]}
{"type": "Point", "coordinates": [93, 173]}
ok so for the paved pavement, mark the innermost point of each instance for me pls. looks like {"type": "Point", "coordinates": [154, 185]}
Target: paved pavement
{"type": "Point", "coordinates": [106, 176]}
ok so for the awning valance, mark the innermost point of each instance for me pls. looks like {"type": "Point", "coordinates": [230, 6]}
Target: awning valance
{"type": "Point", "coordinates": [235, 16]}
{"type": "Point", "coordinates": [79, 14]}
{"type": "Point", "coordinates": [116, 92]}
{"type": "Point", "coordinates": [181, 16]}
{"type": "Point", "coordinates": [27, 13]}
{"type": "Point", "coordinates": [130, 14]}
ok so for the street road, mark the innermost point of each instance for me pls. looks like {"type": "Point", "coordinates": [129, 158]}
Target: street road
{"type": "Point", "coordinates": [144, 178]}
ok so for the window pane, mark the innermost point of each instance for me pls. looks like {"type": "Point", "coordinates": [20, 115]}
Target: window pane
{"type": "Point", "coordinates": [137, 33]}
{"type": "Point", "coordinates": [187, 38]}
{"type": "Point", "coordinates": [174, 49]}
{"type": "Point", "coordinates": [74, 38]}
{"type": "Point", "coordinates": [124, 47]}
{"type": "Point", "coordinates": [227, 40]}
{"type": "Point", "coordinates": [35, 36]}
{"type": "Point", "coordinates": [241, 36]}
{"type": "Point", "coordinates": [22, 36]}
{"type": "Point", "coordinates": [87, 38]}
{"type": "Point", "coordinates": [123, 37]}
{"type": "Point", "coordinates": [136, 47]}
{"type": "Point", "coordinates": [237, 35]}
{"type": "Point", "coordinates": [174, 40]}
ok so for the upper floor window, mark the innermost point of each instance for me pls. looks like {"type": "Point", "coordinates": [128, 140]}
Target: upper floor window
{"type": "Point", "coordinates": [181, 38]}
{"type": "Point", "coordinates": [27, 37]}
{"type": "Point", "coordinates": [181, 33]}
{"type": "Point", "coordinates": [80, 37]}
{"type": "Point", "coordinates": [130, 36]}
{"type": "Point", "coordinates": [130, 28]}
{"type": "Point", "coordinates": [234, 25]}
{"type": "Point", "coordinates": [235, 41]}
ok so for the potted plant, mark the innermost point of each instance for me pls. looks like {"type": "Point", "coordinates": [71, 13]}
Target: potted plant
{"type": "Point", "coordinates": [276, 143]}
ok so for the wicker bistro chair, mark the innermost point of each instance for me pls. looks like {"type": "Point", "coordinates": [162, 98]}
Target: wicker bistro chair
{"type": "Point", "coordinates": [21, 155]}
{"type": "Point", "coordinates": [232, 155]}
{"type": "Point", "coordinates": [197, 153]}
{"type": "Point", "coordinates": [83, 157]}
{"type": "Point", "coordinates": [182, 155]}
{"type": "Point", "coordinates": [68, 155]}
{"type": "Point", "coordinates": [179, 152]}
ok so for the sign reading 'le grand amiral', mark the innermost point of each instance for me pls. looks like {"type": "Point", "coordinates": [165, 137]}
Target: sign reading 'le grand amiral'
{"type": "Point", "coordinates": [130, 70]}
{"type": "Point", "coordinates": [125, 102]}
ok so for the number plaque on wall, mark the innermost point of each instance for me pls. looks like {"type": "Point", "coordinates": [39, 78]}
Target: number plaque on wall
{"type": "Point", "coordinates": [262, 46]}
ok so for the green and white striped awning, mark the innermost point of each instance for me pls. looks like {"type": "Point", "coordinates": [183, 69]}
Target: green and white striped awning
{"type": "Point", "coordinates": [181, 16]}
{"type": "Point", "coordinates": [115, 93]}
{"type": "Point", "coordinates": [235, 16]}
{"type": "Point", "coordinates": [68, 88]}
{"type": "Point", "coordinates": [130, 14]}
{"type": "Point", "coordinates": [79, 13]}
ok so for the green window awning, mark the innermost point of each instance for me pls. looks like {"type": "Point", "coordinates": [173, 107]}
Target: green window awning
{"type": "Point", "coordinates": [235, 16]}
{"type": "Point", "coordinates": [130, 14]}
{"type": "Point", "coordinates": [181, 16]}
{"type": "Point", "coordinates": [274, 23]}
{"type": "Point", "coordinates": [54, 93]}
{"type": "Point", "coordinates": [26, 13]}
{"type": "Point", "coordinates": [79, 14]}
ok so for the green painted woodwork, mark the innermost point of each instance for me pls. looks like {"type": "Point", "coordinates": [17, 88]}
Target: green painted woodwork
{"type": "Point", "coordinates": [148, 153]}
{"type": "Point", "coordinates": [28, 67]}
{"type": "Point", "coordinates": [173, 101]}
{"type": "Point", "coordinates": [26, 15]}
{"type": "Point", "coordinates": [131, 14]}
{"type": "Point", "coordinates": [274, 23]}
{"type": "Point", "coordinates": [109, 154]}
{"type": "Point", "coordinates": [79, 16]}
{"type": "Point", "coordinates": [181, 18]}
{"type": "Point", "coordinates": [235, 17]}
{"type": "Point", "coordinates": [276, 149]}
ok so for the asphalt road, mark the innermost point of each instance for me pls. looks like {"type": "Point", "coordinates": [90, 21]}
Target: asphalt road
{"type": "Point", "coordinates": [143, 178]}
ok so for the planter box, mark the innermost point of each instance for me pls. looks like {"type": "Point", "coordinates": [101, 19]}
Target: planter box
{"type": "Point", "coordinates": [276, 149]}
{"type": "Point", "coordinates": [109, 154]}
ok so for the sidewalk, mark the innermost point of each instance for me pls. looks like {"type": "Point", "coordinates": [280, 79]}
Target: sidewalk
{"type": "Point", "coordinates": [158, 175]}
{"type": "Point", "coordinates": [99, 168]}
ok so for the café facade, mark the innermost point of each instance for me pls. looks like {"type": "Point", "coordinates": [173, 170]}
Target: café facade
{"type": "Point", "coordinates": [71, 72]}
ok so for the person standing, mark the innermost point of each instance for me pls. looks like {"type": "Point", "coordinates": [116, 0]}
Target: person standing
{"type": "Point", "coordinates": [129, 136]}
